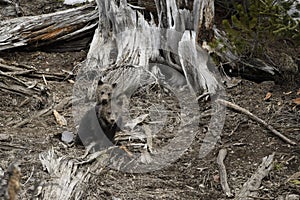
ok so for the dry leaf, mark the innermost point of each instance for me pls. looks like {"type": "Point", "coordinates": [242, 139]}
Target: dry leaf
{"type": "Point", "coordinates": [296, 101]}
{"type": "Point", "coordinates": [59, 118]}
{"type": "Point", "coordinates": [298, 93]}
{"type": "Point", "coordinates": [216, 178]}
{"type": "Point", "coordinates": [268, 96]}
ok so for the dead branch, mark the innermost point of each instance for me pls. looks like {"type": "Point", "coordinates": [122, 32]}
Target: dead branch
{"type": "Point", "coordinates": [255, 118]}
{"type": "Point", "coordinates": [17, 89]}
{"type": "Point", "coordinates": [47, 111]}
{"type": "Point", "coordinates": [28, 120]}
{"type": "Point", "coordinates": [48, 76]}
{"type": "Point", "coordinates": [223, 173]}
{"type": "Point", "coordinates": [249, 189]}
{"type": "Point", "coordinates": [5, 146]}
{"type": "Point", "coordinates": [7, 75]}
{"type": "Point", "coordinates": [9, 81]}
{"type": "Point", "coordinates": [31, 72]}
{"type": "Point", "coordinates": [6, 67]}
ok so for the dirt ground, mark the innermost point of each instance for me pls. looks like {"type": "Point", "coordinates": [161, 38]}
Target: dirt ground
{"type": "Point", "coordinates": [189, 177]}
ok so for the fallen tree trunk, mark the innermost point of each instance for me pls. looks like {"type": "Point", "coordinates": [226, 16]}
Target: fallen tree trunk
{"type": "Point", "coordinates": [61, 31]}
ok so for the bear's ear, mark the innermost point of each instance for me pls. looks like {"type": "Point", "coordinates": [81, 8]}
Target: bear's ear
{"type": "Point", "coordinates": [100, 82]}
{"type": "Point", "coordinates": [114, 85]}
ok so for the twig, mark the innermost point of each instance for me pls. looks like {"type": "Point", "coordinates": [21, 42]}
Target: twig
{"type": "Point", "coordinates": [47, 111]}
{"type": "Point", "coordinates": [48, 76]}
{"type": "Point", "coordinates": [10, 68]}
{"type": "Point", "coordinates": [235, 128]}
{"type": "Point", "coordinates": [17, 89]}
{"type": "Point", "coordinates": [203, 96]}
{"type": "Point", "coordinates": [10, 146]}
{"type": "Point", "coordinates": [29, 176]}
{"type": "Point", "coordinates": [13, 78]}
{"type": "Point", "coordinates": [261, 198]}
{"type": "Point", "coordinates": [15, 66]}
{"type": "Point", "coordinates": [29, 72]}
{"type": "Point", "coordinates": [16, 73]}
{"type": "Point", "coordinates": [44, 79]}
{"type": "Point", "coordinates": [255, 118]}
{"type": "Point", "coordinates": [66, 102]}
{"type": "Point", "coordinates": [28, 120]}
{"type": "Point", "coordinates": [95, 155]}
{"type": "Point", "coordinates": [223, 173]}
{"type": "Point", "coordinates": [24, 66]}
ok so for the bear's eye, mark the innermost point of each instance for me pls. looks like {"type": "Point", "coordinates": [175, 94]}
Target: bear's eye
{"type": "Point", "coordinates": [109, 94]}
{"type": "Point", "coordinates": [102, 93]}
{"type": "Point", "coordinates": [109, 113]}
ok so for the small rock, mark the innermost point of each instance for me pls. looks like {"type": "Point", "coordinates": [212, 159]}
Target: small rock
{"type": "Point", "coordinates": [67, 137]}
{"type": "Point", "coordinates": [5, 137]}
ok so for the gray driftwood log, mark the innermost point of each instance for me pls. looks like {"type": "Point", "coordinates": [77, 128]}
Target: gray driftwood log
{"type": "Point", "coordinates": [68, 28]}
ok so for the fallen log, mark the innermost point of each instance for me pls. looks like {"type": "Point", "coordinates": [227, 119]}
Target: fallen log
{"type": "Point", "coordinates": [66, 30]}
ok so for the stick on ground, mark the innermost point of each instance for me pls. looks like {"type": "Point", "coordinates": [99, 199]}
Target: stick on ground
{"type": "Point", "coordinates": [223, 173]}
{"type": "Point", "coordinates": [255, 118]}
{"type": "Point", "coordinates": [64, 103]}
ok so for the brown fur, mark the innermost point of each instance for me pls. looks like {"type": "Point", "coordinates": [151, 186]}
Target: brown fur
{"type": "Point", "coordinates": [107, 120]}
{"type": "Point", "coordinates": [105, 116]}
{"type": "Point", "coordinates": [104, 92]}
{"type": "Point", "coordinates": [99, 123]}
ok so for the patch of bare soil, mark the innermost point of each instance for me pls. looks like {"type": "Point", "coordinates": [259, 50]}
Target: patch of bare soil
{"type": "Point", "coordinates": [189, 177]}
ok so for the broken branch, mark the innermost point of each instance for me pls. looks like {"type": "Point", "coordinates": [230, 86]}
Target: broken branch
{"type": "Point", "coordinates": [223, 173]}
{"type": "Point", "coordinates": [255, 118]}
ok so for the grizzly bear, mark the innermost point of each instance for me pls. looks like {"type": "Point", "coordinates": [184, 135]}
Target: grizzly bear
{"type": "Point", "coordinates": [107, 119]}
{"type": "Point", "coordinates": [99, 123]}
{"type": "Point", "coordinates": [104, 92]}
